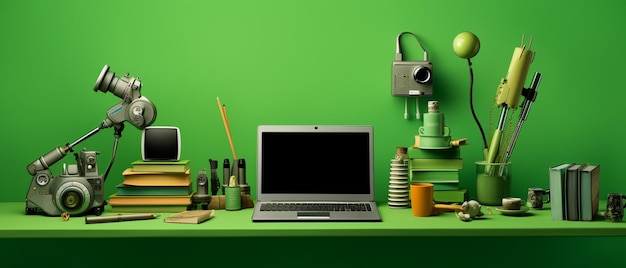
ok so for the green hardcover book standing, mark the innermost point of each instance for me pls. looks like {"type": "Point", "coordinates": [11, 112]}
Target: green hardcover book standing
{"type": "Point", "coordinates": [589, 191]}
{"type": "Point", "coordinates": [572, 192]}
{"type": "Point", "coordinates": [557, 175]}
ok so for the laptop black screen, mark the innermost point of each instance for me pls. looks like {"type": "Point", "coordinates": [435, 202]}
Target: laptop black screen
{"type": "Point", "coordinates": [315, 163]}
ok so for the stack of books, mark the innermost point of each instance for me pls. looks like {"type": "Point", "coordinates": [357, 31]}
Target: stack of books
{"type": "Point", "coordinates": [441, 168]}
{"type": "Point", "coordinates": [574, 191]}
{"type": "Point", "coordinates": [154, 187]}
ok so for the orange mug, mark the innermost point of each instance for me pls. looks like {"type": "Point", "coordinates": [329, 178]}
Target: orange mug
{"type": "Point", "coordinates": [422, 199]}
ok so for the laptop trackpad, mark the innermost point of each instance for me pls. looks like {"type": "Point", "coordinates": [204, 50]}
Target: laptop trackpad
{"type": "Point", "coordinates": [314, 215]}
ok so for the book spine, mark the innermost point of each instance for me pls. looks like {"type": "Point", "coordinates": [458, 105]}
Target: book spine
{"type": "Point", "coordinates": [445, 186]}
{"type": "Point", "coordinates": [556, 193]}
{"type": "Point", "coordinates": [454, 152]}
{"type": "Point", "coordinates": [160, 168]}
{"type": "Point", "coordinates": [595, 191]}
{"type": "Point", "coordinates": [149, 201]}
{"type": "Point", "coordinates": [585, 196]}
{"type": "Point", "coordinates": [572, 185]}
{"type": "Point", "coordinates": [431, 164]}
{"type": "Point", "coordinates": [115, 199]}
{"type": "Point", "coordinates": [148, 208]}
{"type": "Point", "coordinates": [435, 176]}
{"type": "Point", "coordinates": [153, 190]}
{"type": "Point", "coordinates": [157, 179]}
{"type": "Point", "coordinates": [457, 196]}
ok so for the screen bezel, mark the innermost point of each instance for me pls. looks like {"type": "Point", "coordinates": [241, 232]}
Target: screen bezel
{"type": "Point", "coordinates": [145, 142]}
{"type": "Point", "coordinates": [262, 196]}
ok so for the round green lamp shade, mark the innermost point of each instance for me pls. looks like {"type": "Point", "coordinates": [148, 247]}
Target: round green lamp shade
{"type": "Point", "coordinates": [466, 45]}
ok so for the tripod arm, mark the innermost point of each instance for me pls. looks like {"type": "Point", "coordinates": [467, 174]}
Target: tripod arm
{"type": "Point", "coordinates": [55, 155]}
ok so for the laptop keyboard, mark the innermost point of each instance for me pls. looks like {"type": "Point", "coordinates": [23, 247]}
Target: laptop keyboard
{"type": "Point", "coordinates": [315, 207]}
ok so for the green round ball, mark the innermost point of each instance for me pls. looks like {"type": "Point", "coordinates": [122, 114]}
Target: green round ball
{"type": "Point", "coordinates": [466, 45]}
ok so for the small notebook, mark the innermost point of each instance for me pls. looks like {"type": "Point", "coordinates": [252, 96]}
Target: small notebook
{"type": "Point", "coordinates": [315, 173]}
{"type": "Point", "coordinates": [191, 216]}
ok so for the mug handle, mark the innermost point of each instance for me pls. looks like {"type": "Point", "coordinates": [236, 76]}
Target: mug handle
{"type": "Point", "coordinates": [547, 192]}
{"type": "Point", "coordinates": [624, 197]}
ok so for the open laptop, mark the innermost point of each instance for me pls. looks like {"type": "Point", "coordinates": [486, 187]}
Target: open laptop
{"type": "Point", "coordinates": [315, 173]}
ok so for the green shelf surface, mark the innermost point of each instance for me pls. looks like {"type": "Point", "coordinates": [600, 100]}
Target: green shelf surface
{"type": "Point", "coordinates": [396, 222]}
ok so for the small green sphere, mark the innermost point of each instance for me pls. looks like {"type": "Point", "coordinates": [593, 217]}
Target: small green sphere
{"type": "Point", "coordinates": [466, 45]}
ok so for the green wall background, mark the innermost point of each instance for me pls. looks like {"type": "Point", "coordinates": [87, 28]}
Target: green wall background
{"type": "Point", "coordinates": [307, 62]}
{"type": "Point", "coordinates": [310, 62]}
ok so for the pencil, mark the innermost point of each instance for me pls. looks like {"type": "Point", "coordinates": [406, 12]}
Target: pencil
{"type": "Point", "coordinates": [226, 126]}
{"type": "Point", "coordinates": [120, 217]}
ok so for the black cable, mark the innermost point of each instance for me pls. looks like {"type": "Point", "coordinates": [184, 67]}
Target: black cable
{"type": "Point", "coordinates": [106, 174]}
{"type": "Point", "coordinates": [117, 133]}
{"type": "Point", "coordinates": [471, 99]}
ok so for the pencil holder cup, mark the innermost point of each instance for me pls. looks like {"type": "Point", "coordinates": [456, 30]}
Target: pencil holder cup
{"type": "Point", "coordinates": [233, 198]}
{"type": "Point", "coordinates": [493, 182]}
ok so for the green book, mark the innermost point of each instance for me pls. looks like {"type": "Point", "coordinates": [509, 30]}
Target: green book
{"type": "Point", "coordinates": [161, 166]}
{"type": "Point", "coordinates": [148, 208]}
{"type": "Point", "coordinates": [435, 176]}
{"type": "Point", "coordinates": [557, 176]}
{"type": "Point", "coordinates": [589, 192]}
{"type": "Point", "coordinates": [451, 196]}
{"type": "Point", "coordinates": [122, 200]}
{"type": "Point", "coordinates": [123, 189]}
{"type": "Point", "coordinates": [454, 152]}
{"type": "Point", "coordinates": [572, 192]}
{"type": "Point", "coordinates": [434, 163]}
{"type": "Point", "coordinates": [445, 186]}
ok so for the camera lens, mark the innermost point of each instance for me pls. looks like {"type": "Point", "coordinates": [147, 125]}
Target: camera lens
{"type": "Point", "coordinates": [72, 199]}
{"type": "Point", "coordinates": [107, 81]}
{"type": "Point", "coordinates": [422, 75]}
{"type": "Point", "coordinates": [73, 196]}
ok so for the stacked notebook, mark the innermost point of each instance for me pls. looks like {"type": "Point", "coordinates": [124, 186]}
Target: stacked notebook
{"type": "Point", "coordinates": [441, 168]}
{"type": "Point", "coordinates": [154, 187]}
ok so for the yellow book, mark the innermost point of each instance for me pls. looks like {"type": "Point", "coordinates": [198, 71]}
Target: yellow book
{"type": "Point", "coordinates": [191, 216]}
{"type": "Point", "coordinates": [139, 178]}
{"type": "Point", "coordinates": [161, 166]}
{"type": "Point", "coordinates": [116, 200]}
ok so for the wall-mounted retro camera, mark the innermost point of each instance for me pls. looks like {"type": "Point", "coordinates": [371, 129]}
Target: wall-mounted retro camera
{"type": "Point", "coordinates": [78, 190]}
{"type": "Point", "coordinates": [411, 78]}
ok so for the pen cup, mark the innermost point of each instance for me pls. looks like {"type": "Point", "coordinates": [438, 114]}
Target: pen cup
{"type": "Point", "coordinates": [493, 182]}
{"type": "Point", "coordinates": [233, 198]}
